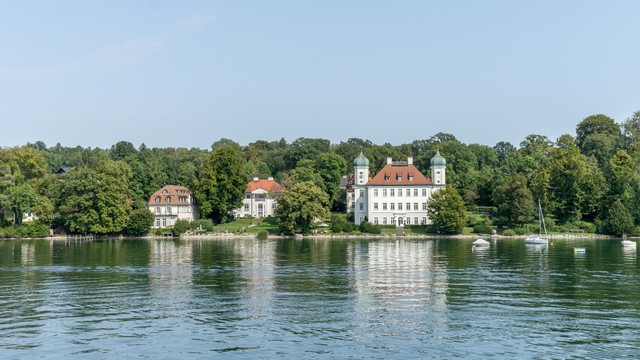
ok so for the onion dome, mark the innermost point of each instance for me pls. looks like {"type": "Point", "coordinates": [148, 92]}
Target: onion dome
{"type": "Point", "coordinates": [361, 160]}
{"type": "Point", "coordinates": [438, 160]}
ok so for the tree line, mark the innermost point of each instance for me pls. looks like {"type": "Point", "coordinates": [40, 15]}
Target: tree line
{"type": "Point", "coordinates": [587, 180]}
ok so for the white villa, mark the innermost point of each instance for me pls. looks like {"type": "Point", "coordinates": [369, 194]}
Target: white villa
{"type": "Point", "coordinates": [397, 195]}
{"type": "Point", "coordinates": [172, 203]}
{"type": "Point", "coordinates": [260, 198]}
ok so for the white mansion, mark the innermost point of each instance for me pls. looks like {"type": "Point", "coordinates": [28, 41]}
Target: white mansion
{"type": "Point", "coordinates": [171, 203]}
{"type": "Point", "coordinates": [260, 198]}
{"type": "Point", "coordinates": [397, 195]}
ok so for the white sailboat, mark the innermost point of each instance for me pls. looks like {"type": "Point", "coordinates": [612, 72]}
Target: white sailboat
{"type": "Point", "coordinates": [539, 238]}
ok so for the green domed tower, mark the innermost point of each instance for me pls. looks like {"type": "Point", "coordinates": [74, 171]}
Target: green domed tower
{"type": "Point", "coordinates": [360, 170]}
{"type": "Point", "coordinates": [438, 168]}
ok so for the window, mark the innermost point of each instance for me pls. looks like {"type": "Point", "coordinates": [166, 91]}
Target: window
{"type": "Point", "coordinates": [438, 181]}
{"type": "Point", "coordinates": [399, 206]}
{"type": "Point", "coordinates": [387, 178]}
{"type": "Point", "coordinates": [384, 220]}
{"type": "Point", "coordinates": [158, 201]}
{"type": "Point", "coordinates": [393, 206]}
{"type": "Point", "coordinates": [424, 192]}
{"type": "Point", "coordinates": [424, 221]}
{"type": "Point", "coordinates": [415, 207]}
{"type": "Point", "coordinates": [246, 207]}
{"type": "Point", "coordinates": [247, 196]}
{"type": "Point", "coordinates": [438, 172]}
{"type": "Point", "coordinates": [168, 200]}
{"type": "Point", "coordinates": [157, 222]}
{"type": "Point", "coordinates": [168, 210]}
{"type": "Point", "coordinates": [400, 221]}
{"type": "Point", "coordinates": [399, 178]}
{"type": "Point", "coordinates": [384, 192]}
{"type": "Point", "coordinates": [393, 220]}
{"type": "Point", "coordinates": [408, 206]}
{"type": "Point", "coordinates": [410, 178]}
{"type": "Point", "coordinates": [392, 192]}
{"type": "Point", "coordinates": [408, 222]}
{"type": "Point", "coordinates": [415, 220]}
{"type": "Point", "coordinates": [384, 206]}
{"type": "Point", "coordinates": [375, 220]}
{"type": "Point", "coordinates": [375, 192]}
{"type": "Point", "coordinates": [408, 192]}
{"type": "Point", "coordinates": [164, 222]}
{"type": "Point", "coordinates": [424, 206]}
{"type": "Point", "coordinates": [361, 206]}
{"type": "Point", "coordinates": [158, 210]}
{"type": "Point", "coordinates": [361, 192]}
{"type": "Point", "coordinates": [375, 206]}
{"type": "Point", "coordinates": [415, 192]}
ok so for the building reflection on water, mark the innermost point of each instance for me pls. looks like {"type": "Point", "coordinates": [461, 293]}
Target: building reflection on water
{"type": "Point", "coordinates": [171, 270]}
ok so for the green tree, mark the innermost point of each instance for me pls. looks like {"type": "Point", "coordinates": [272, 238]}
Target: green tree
{"type": "Point", "coordinates": [299, 206]}
{"type": "Point", "coordinates": [596, 124]}
{"type": "Point", "coordinates": [140, 221]}
{"type": "Point", "coordinates": [96, 201]}
{"type": "Point", "coordinates": [619, 219]}
{"type": "Point", "coordinates": [22, 199]}
{"type": "Point", "coordinates": [513, 200]}
{"type": "Point", "coordinates": [221, 185]}
{"type": "Point", "coordinates": [447, 211]}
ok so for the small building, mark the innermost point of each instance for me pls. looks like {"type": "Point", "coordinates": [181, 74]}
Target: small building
{"type": "Point", "coordinates": [172, 203]}
{"type": "Point", "coordinates": [260, 198]}
{"type": "Point", "coordinates": [397, 195]}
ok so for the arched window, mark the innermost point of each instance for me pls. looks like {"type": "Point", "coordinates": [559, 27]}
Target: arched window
{"type": "Point", "coordinates": [168, 199]}
{"type": "Point", "coordinates": [158, 199]}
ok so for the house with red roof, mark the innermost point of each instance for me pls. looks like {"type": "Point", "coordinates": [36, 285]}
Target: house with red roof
{"type": "Point", "coordinates": [172, 203]}
{"type": "Point", "coordinates": [260, 198]}
{"type": "Point", "coordinates": [397, 195]}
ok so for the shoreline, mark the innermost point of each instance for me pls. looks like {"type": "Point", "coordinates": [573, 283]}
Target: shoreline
{"type": "Point", "coordinates": [319, 237]}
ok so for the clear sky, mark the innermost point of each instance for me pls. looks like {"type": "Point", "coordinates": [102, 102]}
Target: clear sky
{"type": "Point", "coordinates": [187, 73]}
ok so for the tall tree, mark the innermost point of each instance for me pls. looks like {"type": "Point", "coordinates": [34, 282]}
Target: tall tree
{"type": "Point", "coordinates": [447, 211]}
{"type": "Point", "coordinates": [221, 185]}
{"type": "Point", "coordinates": [299, 206]}
{"type": "Point", "coordinates": [513, 200]}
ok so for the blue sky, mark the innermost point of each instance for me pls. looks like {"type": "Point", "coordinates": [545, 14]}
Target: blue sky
{"type": "Point", "coordinates": [186, 73]}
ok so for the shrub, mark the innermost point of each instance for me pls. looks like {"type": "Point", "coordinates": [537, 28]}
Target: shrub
{"type": "Point", "coordinates": [482, 229]}
{"type": "Point", "coordinates": [369, 228]}
{"type": "Point", "coordinates": [262, 235]}
{"type": "Point", "coordinates": [180, 227]}
{"type": "Point", "coordinates": [202, 224]}
{"type": "Point", "coordinates": [508, 232]}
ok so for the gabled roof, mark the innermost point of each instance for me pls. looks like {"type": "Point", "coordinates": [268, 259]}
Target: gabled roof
{"type": "Point", "coordinates": [394, 175]}
{"type": "Point", "coordinates": [267, 185]}
{"type": "Point", "coordinates": [174, 193]}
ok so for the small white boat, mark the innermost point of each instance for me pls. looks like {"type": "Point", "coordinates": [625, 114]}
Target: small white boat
{"type": "Point", "coordinates": [628, 244]}
{"type": "Point", "coordinates": [538, 239]}
{"type": "Point", "coordinates": [481, 244]}
{"type": "Point", "coordinates": [579, 250]}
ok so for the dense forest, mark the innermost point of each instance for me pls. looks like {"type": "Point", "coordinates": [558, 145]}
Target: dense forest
{"type": "Point", "coordinates": [588, 180]}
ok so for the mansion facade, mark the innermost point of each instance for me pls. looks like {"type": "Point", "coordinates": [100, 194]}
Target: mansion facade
{"type": "Point", "coordinates": [172, 203]}
{"type": "Point", "coordinates": [260, 198]}
{"type": "Point", "coordinates": [397, 195]}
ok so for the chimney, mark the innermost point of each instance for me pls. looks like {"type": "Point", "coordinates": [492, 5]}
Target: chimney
{"type": "Point", "coordinates": [389, 161]}
{"type": "Point", "coordinates": [256, 178]}
{"type": "Point", "coordinates": [410, 160]}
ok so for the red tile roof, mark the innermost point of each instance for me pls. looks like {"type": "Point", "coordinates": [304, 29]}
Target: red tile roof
{"type": "Point", "coordinates": [173, 193]}
{"type": "Point", "coordinates": [391, 175]}
{"type": "Point", "coordinates": [266, 185]}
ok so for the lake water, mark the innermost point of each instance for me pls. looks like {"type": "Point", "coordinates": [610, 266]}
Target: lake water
{"type": "Point", "coordinates": [357, 298]}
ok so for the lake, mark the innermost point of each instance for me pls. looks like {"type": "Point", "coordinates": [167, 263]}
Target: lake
{"type": "Point", "coordinates": [317, 298]}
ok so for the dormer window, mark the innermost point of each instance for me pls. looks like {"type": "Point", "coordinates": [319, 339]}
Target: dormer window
{"type": "Point", "coordinates": [158, 199]}
{"type": "Point", "coordinates": [399, 178]}
{"type": "Point", "coordinates": [410, 178]}
{"type": "Point", "coordinates": [168, 200]}
{"type": "Point", "coordinates": [164, 191]}
{"type": "Point", "coordinates": [387, 178]}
